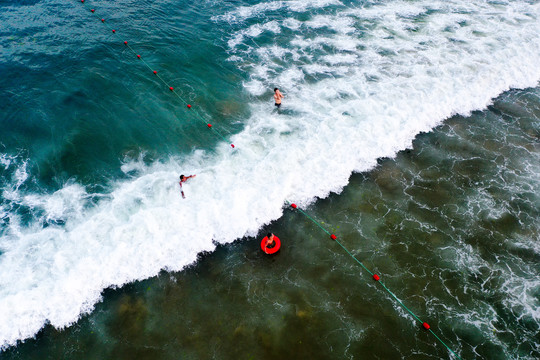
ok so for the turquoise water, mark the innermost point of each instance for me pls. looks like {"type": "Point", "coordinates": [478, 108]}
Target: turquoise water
{"type": "Point", "coordinates": [87, 102]}
{"type": "Point", "coordinates": [101, 258]}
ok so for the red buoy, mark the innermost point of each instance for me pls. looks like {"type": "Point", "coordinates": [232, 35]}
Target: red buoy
{"type": "Point", "coordinates": [92, 10]}
{"type": "Point", "coordinates": [426, 326]}
{"type": "Point", "coordinates": [82, 1]}
{"type": "Point", "coordinates": [232, 145]}
{"type": "Point", "coordinates": [333, 237]}
{"type": "Point", "coordinates": [125, 42]}
{"type": "Point", "coordinates": [376, 277]}
{"type": "Point", "coordinates": [209, 125]}
{"type": "Point", "coordinates": [171, 88]}
{"type": "Point", "coordinates": [155, 72]}
{"type": "Point", "coordinates": [114, 31]}
{"type": "Point", "coordinates": [102, 20]}
{"type": "Point", "coordinates": [139, 56]}
{"type": "Point", "coordinates": [189, 106]}
{"type": "Point", "coordinates": [293, 206]}
{"type": "Point", "coordinates": [270, 250]}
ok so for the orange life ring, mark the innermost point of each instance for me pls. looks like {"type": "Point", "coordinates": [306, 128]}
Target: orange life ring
{"type": "Point", "coordinates": [270, 250]}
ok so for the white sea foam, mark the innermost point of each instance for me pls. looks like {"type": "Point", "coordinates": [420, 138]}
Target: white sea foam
{"type": "Point", "coordinates": [5, 160]}
{"type": "Point", "coordinates": [254, 31]}
{"type": "Point", "coordinates": [339, 24]}
{"type": "Point", "coordinates": [245, 12]}
{"type": "Point", "coordinates": [381, 78]}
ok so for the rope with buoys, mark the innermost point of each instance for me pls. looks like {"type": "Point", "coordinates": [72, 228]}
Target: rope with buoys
{"type": "Point", "coordinates": [155, 72]}
{"type": "Point", "coordinates": [375, 277]}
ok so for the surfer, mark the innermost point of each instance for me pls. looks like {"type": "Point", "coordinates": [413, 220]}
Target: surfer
{"type": "Point", "coordinates": [277, 97]}
{"type": "Point", "coordinates": [183, 179]}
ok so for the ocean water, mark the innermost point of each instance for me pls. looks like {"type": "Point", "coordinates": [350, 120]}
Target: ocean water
{"type": "Point", "coordinates": [410, 129]}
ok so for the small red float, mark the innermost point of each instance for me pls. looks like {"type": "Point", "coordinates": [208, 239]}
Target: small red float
{"type": "Point", "coordinates": [333, 237]}
{"type": "Point", "coordinates": [125, 42]}
{"type": "Point", "coordinates": [270, 250]}
{"type": "Point", "coordinates": [376, 277]}
{"type": "Point", "coordinates": [114, 31]}
{"type": "Point", "coordinates": [171, 88]}
{"type": "Point", "coordinates": [139, 56]}
{"type": "Point", "coordinates": [232, 145]}
{"type": "Point", "coordinates": [426, 326]}
{"type": "Point", "coordinates": [102, 20]}
{"type": "Point", "coordinates": [155, 72]}
{"type": "Point", "coordinates": [209, 125]}
{"type": "Point", "coordinates": [92, 10]}
{"type": "Point", "coordinates": [189, 106]}
{"type": "Point", "coordinates": [293, 206]}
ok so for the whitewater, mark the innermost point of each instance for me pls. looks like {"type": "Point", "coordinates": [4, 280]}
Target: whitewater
{"type": "Point", "coordinates": [360, 82]}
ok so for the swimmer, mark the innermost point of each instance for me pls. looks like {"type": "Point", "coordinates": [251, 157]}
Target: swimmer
{"type": "Point", "coordinates": [270, 242]}
{"type": "Point", "coordinates": [183, 179]}
{"type": "Point", "coordinates": [277, 97]}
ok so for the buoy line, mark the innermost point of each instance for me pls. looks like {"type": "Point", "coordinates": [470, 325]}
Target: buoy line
{"type": "Point", "coordinates": [155, 72]}
{"type": "Point", "coordinates": [375, 277]}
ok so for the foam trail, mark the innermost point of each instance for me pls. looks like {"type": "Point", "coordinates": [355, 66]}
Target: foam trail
{"type": "Point", "coordinates": [360, 83]}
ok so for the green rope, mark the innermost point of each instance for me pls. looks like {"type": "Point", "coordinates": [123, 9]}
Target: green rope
{"type": "Point", "coordinates": [395, 297]}
{"type": "Point", "coordinates": [380, 282]}
{"type": "Point", "coordinates": [442, 342]}
{"type": "Point", "coordinates": [309, 217]}
{"type": "Point", "coordinates": [354, 257]}
{"type": "Point", "coordinates": [401, 303]}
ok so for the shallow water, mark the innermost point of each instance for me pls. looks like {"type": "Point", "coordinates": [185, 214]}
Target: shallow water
{"type": "Point", "coordinates": [93, 145]}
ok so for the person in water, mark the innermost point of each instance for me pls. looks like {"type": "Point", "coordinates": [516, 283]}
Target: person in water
{"type": "Point", "coordinates": [277, 97]}
{"type": "Point", "coordinates": [270, 242]}
{"type": "Point", "coordinates": [183, 179]}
